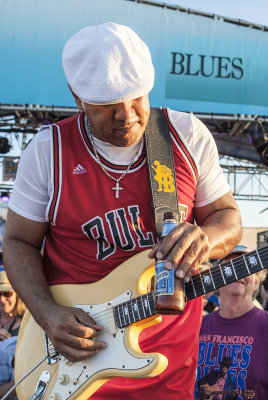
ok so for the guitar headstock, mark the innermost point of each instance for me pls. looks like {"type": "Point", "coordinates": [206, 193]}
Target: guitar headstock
{"type": "Point", "coordinates": [248, 394]}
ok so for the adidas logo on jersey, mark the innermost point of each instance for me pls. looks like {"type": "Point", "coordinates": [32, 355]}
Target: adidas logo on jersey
{"type": "Point", "coordinates": [79, 169]}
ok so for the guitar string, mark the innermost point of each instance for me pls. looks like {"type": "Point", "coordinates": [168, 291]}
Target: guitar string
{"type": "Point", "coordinates": [198, 285]}
{"type": "Point", "coordinates": [109, 315]}
{"type": "Point", "coordinates": [237, 267]}
{"type": "Point", "coordinates": [198, 277]}
{"type": "Point", "coordinates": [124, 318]}
{"type": "Point", "coordinates": [237, 262]}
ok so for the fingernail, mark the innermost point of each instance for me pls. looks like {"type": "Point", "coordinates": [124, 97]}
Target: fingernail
{"type": "Point", "coordinates": [168, 265]}
{"type": "Point", "coordinates": [159, 255]}
{"type": "Point", "coordinates": [179, 274]}
{"type": "Point", "coordinates": [187, 279]}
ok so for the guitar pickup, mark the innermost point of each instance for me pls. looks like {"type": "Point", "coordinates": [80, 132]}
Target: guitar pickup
{"type": "Point", "coordinates": [110, 319]}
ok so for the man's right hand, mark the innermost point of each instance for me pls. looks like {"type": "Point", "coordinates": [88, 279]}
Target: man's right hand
{"type": "Point", "coordinates": [72, 332]}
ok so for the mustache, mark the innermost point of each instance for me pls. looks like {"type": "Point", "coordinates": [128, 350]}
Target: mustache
{"type": "Point", "coordinates": [127, 124]}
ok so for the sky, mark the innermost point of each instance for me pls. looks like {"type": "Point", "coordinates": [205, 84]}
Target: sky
{"type": "Point", "coordinates": [253, 11]}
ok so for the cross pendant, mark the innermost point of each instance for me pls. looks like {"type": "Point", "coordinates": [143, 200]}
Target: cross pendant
{"type": "Point", "coordinates": [117, 188]}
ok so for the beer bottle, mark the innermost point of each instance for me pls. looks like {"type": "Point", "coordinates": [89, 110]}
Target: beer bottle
{"type": "Point", "coordinates": [169, 290]}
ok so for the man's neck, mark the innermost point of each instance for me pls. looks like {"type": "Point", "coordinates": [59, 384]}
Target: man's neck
{"type": "Point", "coordinates": [234, 306]}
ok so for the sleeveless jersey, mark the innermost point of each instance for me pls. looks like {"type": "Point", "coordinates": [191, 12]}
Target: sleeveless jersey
{"type": "Point", "coordinates": [91, 232]}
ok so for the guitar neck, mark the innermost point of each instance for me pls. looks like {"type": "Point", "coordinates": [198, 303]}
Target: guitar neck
{"type": "Point", "coordinates": [225, 273]}
{"type": "Point", "coordinates": [142, 307]}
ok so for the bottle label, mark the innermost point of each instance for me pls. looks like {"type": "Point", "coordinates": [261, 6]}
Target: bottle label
{"type": "Point", "coordinates": [164, 279]}
{"type": "Point", "coordinates": [168, 225]}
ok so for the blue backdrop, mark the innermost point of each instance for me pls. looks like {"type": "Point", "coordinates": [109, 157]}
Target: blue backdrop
{"type": "Point", "coordinates": [202, 64]}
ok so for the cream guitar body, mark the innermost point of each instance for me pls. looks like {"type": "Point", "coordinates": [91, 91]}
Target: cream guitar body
{"type": "Point", "coordinates": [120, 302]}
{"type": "Point", "coordinates": [122, 357]}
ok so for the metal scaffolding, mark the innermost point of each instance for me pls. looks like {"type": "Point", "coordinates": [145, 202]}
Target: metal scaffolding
{"type": "Point", "coordinates": [241, 162]}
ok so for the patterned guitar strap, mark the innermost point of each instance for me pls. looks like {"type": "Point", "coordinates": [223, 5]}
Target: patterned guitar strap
{"type": "Point", "coordinates": [161, 169]}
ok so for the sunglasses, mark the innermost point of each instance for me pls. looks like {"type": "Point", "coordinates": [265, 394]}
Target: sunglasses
{"type": "Point", "coordinates": [6, 294]}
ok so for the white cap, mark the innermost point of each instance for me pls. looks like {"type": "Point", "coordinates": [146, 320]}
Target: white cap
{"type": "Point", "coordinates": [107, 64]}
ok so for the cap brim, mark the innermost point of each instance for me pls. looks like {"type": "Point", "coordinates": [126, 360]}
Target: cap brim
{"type": "Point", "coordinates": [5, 287]}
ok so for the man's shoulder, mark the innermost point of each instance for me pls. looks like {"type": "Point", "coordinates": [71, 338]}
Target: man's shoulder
{"type": "Point", "coordinates": [261, 314]}
{"type": "Point", "coordinates": [179, 115]}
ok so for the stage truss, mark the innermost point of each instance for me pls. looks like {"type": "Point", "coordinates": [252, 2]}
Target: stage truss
{"type": "Point", "coordinates": [242, 164]}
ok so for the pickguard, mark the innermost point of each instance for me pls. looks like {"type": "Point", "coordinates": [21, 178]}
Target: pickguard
{"type": "Point", "coordinates": [114, 360]}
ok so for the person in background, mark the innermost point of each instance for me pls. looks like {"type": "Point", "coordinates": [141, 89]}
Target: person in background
{"type": "Point", "coordinates": [7, 353]}
{"type": "Point", "coordinates": [11, 312]}
{"type": "Point", "coordinates": [262, 295]}
{"type": "Point", "coordinates": [83, 184]}
{"type": "Point", "coordinates": [219, 384]}
{"type": "Point", "coordinates": [237, 330]}
{"type": "Point", "coordinates": [11, 308]}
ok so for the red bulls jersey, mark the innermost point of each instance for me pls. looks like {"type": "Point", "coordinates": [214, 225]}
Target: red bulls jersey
{"type": "Point", "coordinates": [91, 232]}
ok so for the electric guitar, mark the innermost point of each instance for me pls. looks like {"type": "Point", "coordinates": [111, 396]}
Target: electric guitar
{"type": "Point", "coordinates": [208, 392]}
{"type": "Point", "coordinates": [120, 302]}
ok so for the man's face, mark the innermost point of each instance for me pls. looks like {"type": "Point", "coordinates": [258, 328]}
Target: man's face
{"type": "Point", "coordinates": [244, 287]}
{"type": "Point", "coordinates": [121, 124]}
{"type": "Point", "coordinates": [223, 370]}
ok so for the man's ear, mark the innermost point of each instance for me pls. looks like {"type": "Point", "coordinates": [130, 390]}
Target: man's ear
{"type": "Point", "coordinates": [76, 99]}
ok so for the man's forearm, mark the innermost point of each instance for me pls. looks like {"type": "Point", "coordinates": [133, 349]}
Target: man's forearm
{"type": "Point", "coordinates": [24, 266]}
{"type": "Point", "coordinates": [223, 229]}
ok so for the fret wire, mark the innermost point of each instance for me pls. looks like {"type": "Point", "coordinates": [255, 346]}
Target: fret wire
{"type": "Point", "coordinates": [246, 263]}
{"type": "Point", "coordinates": [143, 306]}
{"type": "Point", "coordinates": [123, 314]}
{"type": "Point", "coordinates": [260, 260]}
{"type": "Point", "coordinates": [127, 313]}
{"type": "Point", "coordinates": [212, 279]}
{"type": "Point", "coordinates": [203, 285]}
{"type": "Point", "coordinates": [222, 275]}
{"type": "Point", "coordinates": [234, 269]}
{"type": "Point", "coordinates": [149, 304]}
{"type": "Point", "coordinates": [138, 308]}
{"type": "Point", "coordinates": [130, 310]}
{"type": "Point", "coordinates": [193, 287]}
{"type": "Point", "coordinates": [152, 303]}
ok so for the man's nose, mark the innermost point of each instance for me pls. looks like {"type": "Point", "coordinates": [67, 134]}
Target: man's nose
{"type": "Point", "coordinates": [125, 111]}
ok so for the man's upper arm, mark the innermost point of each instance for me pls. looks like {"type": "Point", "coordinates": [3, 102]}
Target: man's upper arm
{"type": "Point", "coordinates": [24, 230]}
{"type": "Point", "coordinates": [226, 202]}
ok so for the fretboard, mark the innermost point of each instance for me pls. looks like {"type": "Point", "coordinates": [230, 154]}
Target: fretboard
{"type": "Point", "coordinates": [134, 310]}
{"type": "Point", "coordinates": [142, 307]}
{"type": "Point", "coordinates": [225, 273]}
